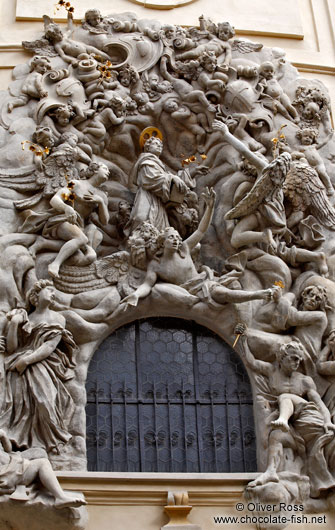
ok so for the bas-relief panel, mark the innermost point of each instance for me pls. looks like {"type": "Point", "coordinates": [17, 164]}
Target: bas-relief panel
{"type": "Point", "coordinates": [147, 169]}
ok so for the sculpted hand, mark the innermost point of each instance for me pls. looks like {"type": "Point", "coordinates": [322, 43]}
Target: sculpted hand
{"type": "Point", "coordinates": [131, 299]}
{"type": "Point", "coordinates": [268, 294]}
{"type": "Point", "coordinates": [21, 365]}
{"type": "Point", "coordinates": [181, 186]}
{"type": "Point", "coordinates": [91, 198]}
{"type": "Point", "coordinates": [240, 329]}
{"type": "Point", "coordinates": [18, 315]}
{"type": "Point", "coordinates": [200, 170]}
{"type": "Point", "coordinates": [209, 197]}
{"type": "Point", "coordinates": [219, 126]}
{"type": "Point", "coordinates": [71, 215]}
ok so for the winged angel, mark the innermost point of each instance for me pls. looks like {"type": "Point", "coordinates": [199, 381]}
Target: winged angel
{"type": "Point", "coordinates": [307, 194]}
{"type": "Point", "coordinates": [262, 215]}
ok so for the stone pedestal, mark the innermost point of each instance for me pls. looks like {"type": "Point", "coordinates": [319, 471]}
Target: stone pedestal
{"type": "Point", "coordinates": [178, 518]}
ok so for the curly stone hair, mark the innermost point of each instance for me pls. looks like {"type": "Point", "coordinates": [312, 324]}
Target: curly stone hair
{"type": "Point", "coordinates": [36, 289]}
{"type": "Point", "coordinates": [286, 349]}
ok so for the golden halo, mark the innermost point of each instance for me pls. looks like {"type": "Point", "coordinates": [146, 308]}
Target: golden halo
{"type": "Point", "coordinates": [147, 133]}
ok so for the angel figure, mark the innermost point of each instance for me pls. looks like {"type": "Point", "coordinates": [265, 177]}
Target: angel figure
{"type": "Point", "coordinates": [173, 264]}
{"type": "Point", "coordinates": [65, 228]}
{"type": "Point", "coordinates": [307, 194]}
{"type": "Point", "coordinates": [68, 49]}
{"type": "Point", "coordinates": [194, 99]}
{"type": "Point", "coordinates": [185, 117]}
{"type": "Point", "coordinates": [212, 76]}
{"type": "Point", "coordinates": [219, 45]}
{"type": "Point", "coordinates": [32, 87]}
{"type": "Point", "coordinates": [272, 94]}
{"type": "Point", "coordinates": [261, 212]}
{"type": "Point", "coordinates": [55, 170]}
{"type": "Point", "coordinates": [95, 23]}
{"type": "Point", "coordinates": [309, 147]}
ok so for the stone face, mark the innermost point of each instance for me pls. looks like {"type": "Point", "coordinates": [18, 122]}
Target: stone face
{"type": "Point", "coordinates": [146, 169]}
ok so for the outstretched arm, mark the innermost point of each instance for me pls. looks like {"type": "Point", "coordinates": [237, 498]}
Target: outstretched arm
{"type": "Point", "coordinates": [260, 367]}
{"type": "Point", "coordinates": [143, 290]}
{"type": "Point", "coordinates": [197, 236]}
{"type": "Point", "coordinates": [238, 145]}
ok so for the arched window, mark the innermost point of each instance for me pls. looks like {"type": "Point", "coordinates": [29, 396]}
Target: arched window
{"type": "Point", "coordinates": [168, 395]}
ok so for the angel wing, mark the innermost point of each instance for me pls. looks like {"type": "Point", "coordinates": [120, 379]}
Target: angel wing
{"type": "Point", "coordinates": [102, 273]}
{"type": "Point", "coordinates": [244, 46]}
{"type": "Point", "coordinates": [253, 199]}
{"type": "Point", "coordinates": [261, 189]}
{"type": "Point", "coordinates": [40, 47]}
{"type": "Point", "coordinates": [303, 182]}
{"type": "Point", "coordinates": [113, 268]}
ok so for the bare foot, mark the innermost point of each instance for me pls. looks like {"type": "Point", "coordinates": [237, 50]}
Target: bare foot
{"type": "Point", "coordinates": [10, 107]}
{"type": "Point", "coordinates": [264, 478]}
{"type": "Point", "coordinates": [53, 270]}
{"type": "Point", "coordinates": [280, 424]}
{"type": "Point", "coordinates": [69, 502]}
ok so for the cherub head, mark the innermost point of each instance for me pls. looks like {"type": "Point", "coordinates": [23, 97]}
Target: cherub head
{"type": "Point", "coordinates": [170, 105]}
{"type": "Point", "coordinates": [127, 75]}
{"type": "Point", "coordinates": [40, 64]}
{"type": "Point", "coordinates": [208, 61]}
{"type": "Point", "coordinates": [225, 31]}
{"type": "Point", "coordinates": [314, 298]}
{"type": "Point", "coordinates": [169, 31]}
{"type": "Point", "coordinates": [266, 70]}
{"type": "Point", "coordinates": [53, 33]}
{"type": "Point", "coordinates": [69, 138]}
{"type": "Point", "coordinates": [62, 114]}
{"type": "Point", "coordinates": [118, 105]}
{"type": "Point", "coordinates": [97, 171]}
{"type": "Point", "coordinates": [307, 135]}
{"type": "Point", "coordinates": [93, 17]}
{"type": "Point", "coordinates": [43, 136]}
{"type": "Point", "coordinates": [311, 111]}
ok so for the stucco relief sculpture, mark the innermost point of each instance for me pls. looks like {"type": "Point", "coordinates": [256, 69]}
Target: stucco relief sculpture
{"type": "Point", "coordinates": [157, 170]}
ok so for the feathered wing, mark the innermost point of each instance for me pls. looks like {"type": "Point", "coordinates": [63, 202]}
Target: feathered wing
{"type": "Point", "coordinates": [304, 181]}
{"type": "Point", "coordinates": [113, 268]}
{"type": "Point", "coordinates": [244, 46]}
{"type": "Point", "coordinates": [40, 47]}
{"type": "Point", "coordinates": [253, 199]}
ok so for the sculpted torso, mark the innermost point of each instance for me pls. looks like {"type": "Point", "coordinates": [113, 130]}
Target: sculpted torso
{"type": "Point", "coordinates": [175, 269]}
